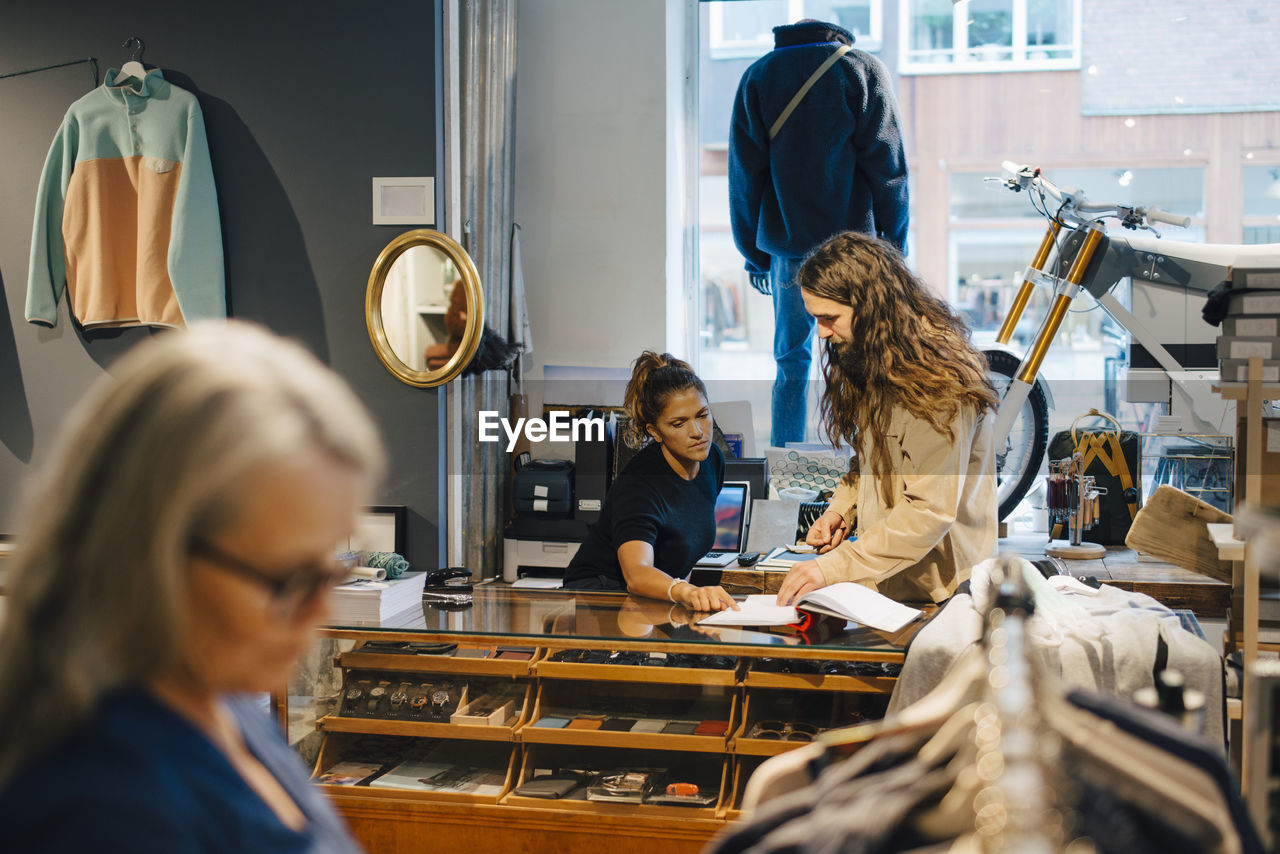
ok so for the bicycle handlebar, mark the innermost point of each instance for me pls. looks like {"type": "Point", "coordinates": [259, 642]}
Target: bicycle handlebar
{"type": "Point", "coordinates": [1154, 214]}
{"type": "Point", "coordinates": [1025, 177]}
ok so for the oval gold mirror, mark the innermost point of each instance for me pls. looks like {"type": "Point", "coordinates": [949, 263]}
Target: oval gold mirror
{"type": "Point", "coordinates": [424, 308]}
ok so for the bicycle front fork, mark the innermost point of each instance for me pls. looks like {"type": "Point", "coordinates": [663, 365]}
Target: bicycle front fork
{"type": "Point", "coordinates": [1065, 290]}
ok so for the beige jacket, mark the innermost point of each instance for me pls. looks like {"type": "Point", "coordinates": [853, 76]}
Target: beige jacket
{"type": "Point", "coordinates": [944, 516]}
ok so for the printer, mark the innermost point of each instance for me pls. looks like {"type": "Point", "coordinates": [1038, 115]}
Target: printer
{"type": "Point", "coordinates": [555, 503]}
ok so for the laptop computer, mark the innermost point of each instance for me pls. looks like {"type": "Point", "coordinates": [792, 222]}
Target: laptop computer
{"type": "Point", "coordinates": [733, 511]}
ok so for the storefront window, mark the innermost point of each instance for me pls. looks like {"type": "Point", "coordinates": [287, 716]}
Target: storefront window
{"type": "Point", "coordinates": [995, 35]}
{"type": "Point", "coordinates": [1262, 204]}
{"type": "Point", "coordinates": [975, 196]}
{"type": "Point", "coordinates": [744, 29]}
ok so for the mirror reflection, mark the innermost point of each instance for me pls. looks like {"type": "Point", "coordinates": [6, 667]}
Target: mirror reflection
{"type": "Point", "coordinates": [424, 308]}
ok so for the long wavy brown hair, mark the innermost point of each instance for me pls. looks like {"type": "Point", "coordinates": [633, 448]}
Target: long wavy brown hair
{"type": "Point", "coordinates": [908, 350]}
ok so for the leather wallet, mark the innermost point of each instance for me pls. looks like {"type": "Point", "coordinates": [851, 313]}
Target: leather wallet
{"type": "Point", "coordinates": [649, 725]}
{"type": "Point", "coordinates": [514, 654]}
{"type": "Point", "coordinates": [551, 722]}
{"type": "Point", "coordinates": [680, 727]}
{"type": "Point", "coordinates": [553, 786]}
{"type": "Point", "coordinates": [585, 723]}
{"type": "Point", "coordinates": [618, 724]}
{"type": "Point", "coordinates": [712, 728]}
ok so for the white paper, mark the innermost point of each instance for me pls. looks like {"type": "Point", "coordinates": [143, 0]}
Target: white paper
{"type": "Point", "coordinates": [859, 604]}
{"type": "Point", "coordinates": [540, 491]}
{"type": "Point", "coordinates": [534, 583]}
{"type": "Point", "coordinates": [540, 505]}
{"type": "Point", "coordinates": [758, 610]}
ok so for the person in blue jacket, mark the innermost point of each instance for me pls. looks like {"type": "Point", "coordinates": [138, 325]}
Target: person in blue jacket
{"type": "Point", "coordinates": [175, 556]}
{"type": "Point", "coordinates": [801, 172]}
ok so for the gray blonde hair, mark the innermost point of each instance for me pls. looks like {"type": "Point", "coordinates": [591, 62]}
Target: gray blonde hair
{"type": "Point", "coordinates": [155, 455]}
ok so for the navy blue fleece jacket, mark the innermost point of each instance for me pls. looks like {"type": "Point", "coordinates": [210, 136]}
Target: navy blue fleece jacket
{"type": "Point", "coordinates": [836, 165]}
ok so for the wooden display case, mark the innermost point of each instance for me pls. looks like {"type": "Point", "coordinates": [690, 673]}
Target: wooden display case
{"type": "Point", "coordinates": [722, 681]}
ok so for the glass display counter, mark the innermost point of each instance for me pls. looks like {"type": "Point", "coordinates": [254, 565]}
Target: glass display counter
{"type": "Point", "coordinates": [571, 716]}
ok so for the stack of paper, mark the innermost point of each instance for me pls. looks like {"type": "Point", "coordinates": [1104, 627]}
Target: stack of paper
{"type": "Point", "coordinates": [369, 601]}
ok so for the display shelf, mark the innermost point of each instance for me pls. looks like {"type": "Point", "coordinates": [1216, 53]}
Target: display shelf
{"type": "Point", "coordinates": [547, 669]}
{"type": "Point", "coordinates": [541, 756]}
{"type": "Point", "coordinates": [332, 753]}
{"type": "Point", "coordinates": [417, 729]}
{"type": "Point", "coordinates": [396, 820]}
{"type": "Point", "coordinates": [820, 682]}
{"type": "Point", "coordinates": [355, 659]}
{"type": "Point", "coordinates": [682, 706]}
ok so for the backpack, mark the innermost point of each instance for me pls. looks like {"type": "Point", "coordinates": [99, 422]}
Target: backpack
{"type": "Point", "coordinates": [1113, 457]}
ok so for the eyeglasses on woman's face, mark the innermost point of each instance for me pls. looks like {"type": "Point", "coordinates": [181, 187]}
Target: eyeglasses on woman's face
{"type": "Point", "coordinates": [289, 590]}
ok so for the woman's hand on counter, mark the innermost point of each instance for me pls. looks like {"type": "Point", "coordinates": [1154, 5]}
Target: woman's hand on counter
{"type": "Point", "coordinates": [827, 532]}
{"type": "Point", "coordinates": [702, 598]}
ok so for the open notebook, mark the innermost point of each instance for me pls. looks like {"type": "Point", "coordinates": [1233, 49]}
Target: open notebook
{"type": "Point", "coordinates": [846, 600]}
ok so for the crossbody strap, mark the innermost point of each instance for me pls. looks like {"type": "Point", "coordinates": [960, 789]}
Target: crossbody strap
{"type": "Point", "coordinates": [804, 90]}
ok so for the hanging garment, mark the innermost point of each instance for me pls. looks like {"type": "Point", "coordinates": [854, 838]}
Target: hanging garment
{"type": "Point", "coordinates": [126, 217]}
{"type": "Point", "coordinates": [1101, 640]}
{"type": "Point", "coordinates": [1007, 763]}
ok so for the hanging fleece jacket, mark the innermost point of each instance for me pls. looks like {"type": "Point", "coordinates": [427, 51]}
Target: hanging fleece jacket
{"type": "Point", "coordinates": [127, 215]}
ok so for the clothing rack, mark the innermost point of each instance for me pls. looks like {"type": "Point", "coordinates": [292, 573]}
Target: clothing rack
{"type": "Point", "coordinates": [1011, 807]}
{"type": "Point", "coordinates": [93, 61]}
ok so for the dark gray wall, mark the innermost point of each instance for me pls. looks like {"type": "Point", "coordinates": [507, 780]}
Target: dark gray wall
{"type": "Point", "coordinates": [303, 105]}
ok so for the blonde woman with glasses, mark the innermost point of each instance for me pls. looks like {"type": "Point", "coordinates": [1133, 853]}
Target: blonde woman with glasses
{"type": "Point", "coordinates": [177, 552]}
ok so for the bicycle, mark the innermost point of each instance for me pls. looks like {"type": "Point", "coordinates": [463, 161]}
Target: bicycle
{"type": "Point", "coordinates": [1076, 241]}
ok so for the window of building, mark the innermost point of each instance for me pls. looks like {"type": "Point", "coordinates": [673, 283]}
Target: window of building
{"type": "Point", "coordinates": [995, 232]}
{"type": "Point", "coordinates": [745, 29]}
{"type": "Point", "coordinates": [1262, 203]}
{"type": "Point", "coordinates": [938, 36]}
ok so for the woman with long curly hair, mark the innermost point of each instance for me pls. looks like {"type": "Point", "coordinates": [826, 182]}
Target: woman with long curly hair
{"type": "Point", "coordinates": [908, 391]}
{"type": "Point", "coordinates": [659, 516]}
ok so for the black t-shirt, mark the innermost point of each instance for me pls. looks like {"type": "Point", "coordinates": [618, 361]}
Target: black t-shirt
{"type": "Point", "coordinates": [651, 503]}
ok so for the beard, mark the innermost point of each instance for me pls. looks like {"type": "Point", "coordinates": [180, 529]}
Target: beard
{"type": "Point", "coordinates": [849, 359]}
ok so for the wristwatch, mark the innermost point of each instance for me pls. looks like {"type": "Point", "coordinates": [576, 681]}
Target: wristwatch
{"type": "Point", "coordinates": [418, 702]}
{"type": "Point", "coordinates": [399, 698]}
{"type": "Point", "coordinates": [439, 699]}
{"type": "Point", "coordinates": [375, 696]}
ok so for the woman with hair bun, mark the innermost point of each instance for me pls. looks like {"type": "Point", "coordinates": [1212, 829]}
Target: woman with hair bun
{"type": "Point", "coordinates": [659, 515]}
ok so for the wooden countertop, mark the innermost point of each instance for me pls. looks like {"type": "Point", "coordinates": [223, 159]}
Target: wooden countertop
{"type": "Point", "coordinates": [1171, 585]}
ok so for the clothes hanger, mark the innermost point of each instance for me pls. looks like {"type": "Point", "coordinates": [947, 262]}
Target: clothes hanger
{"type": "Point", "coordinates": [134, 67]}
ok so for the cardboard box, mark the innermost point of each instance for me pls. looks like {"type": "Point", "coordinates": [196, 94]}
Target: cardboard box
{"type": "Point", "coordinates": [1269, 482]}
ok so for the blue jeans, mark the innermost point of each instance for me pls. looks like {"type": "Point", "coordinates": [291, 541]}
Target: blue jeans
{"type": "Point", "coordinates": [792, 350]}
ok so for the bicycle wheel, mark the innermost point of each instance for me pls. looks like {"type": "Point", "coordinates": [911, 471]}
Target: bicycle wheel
{"type": "Point", "coordinates": [1018, 462]}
